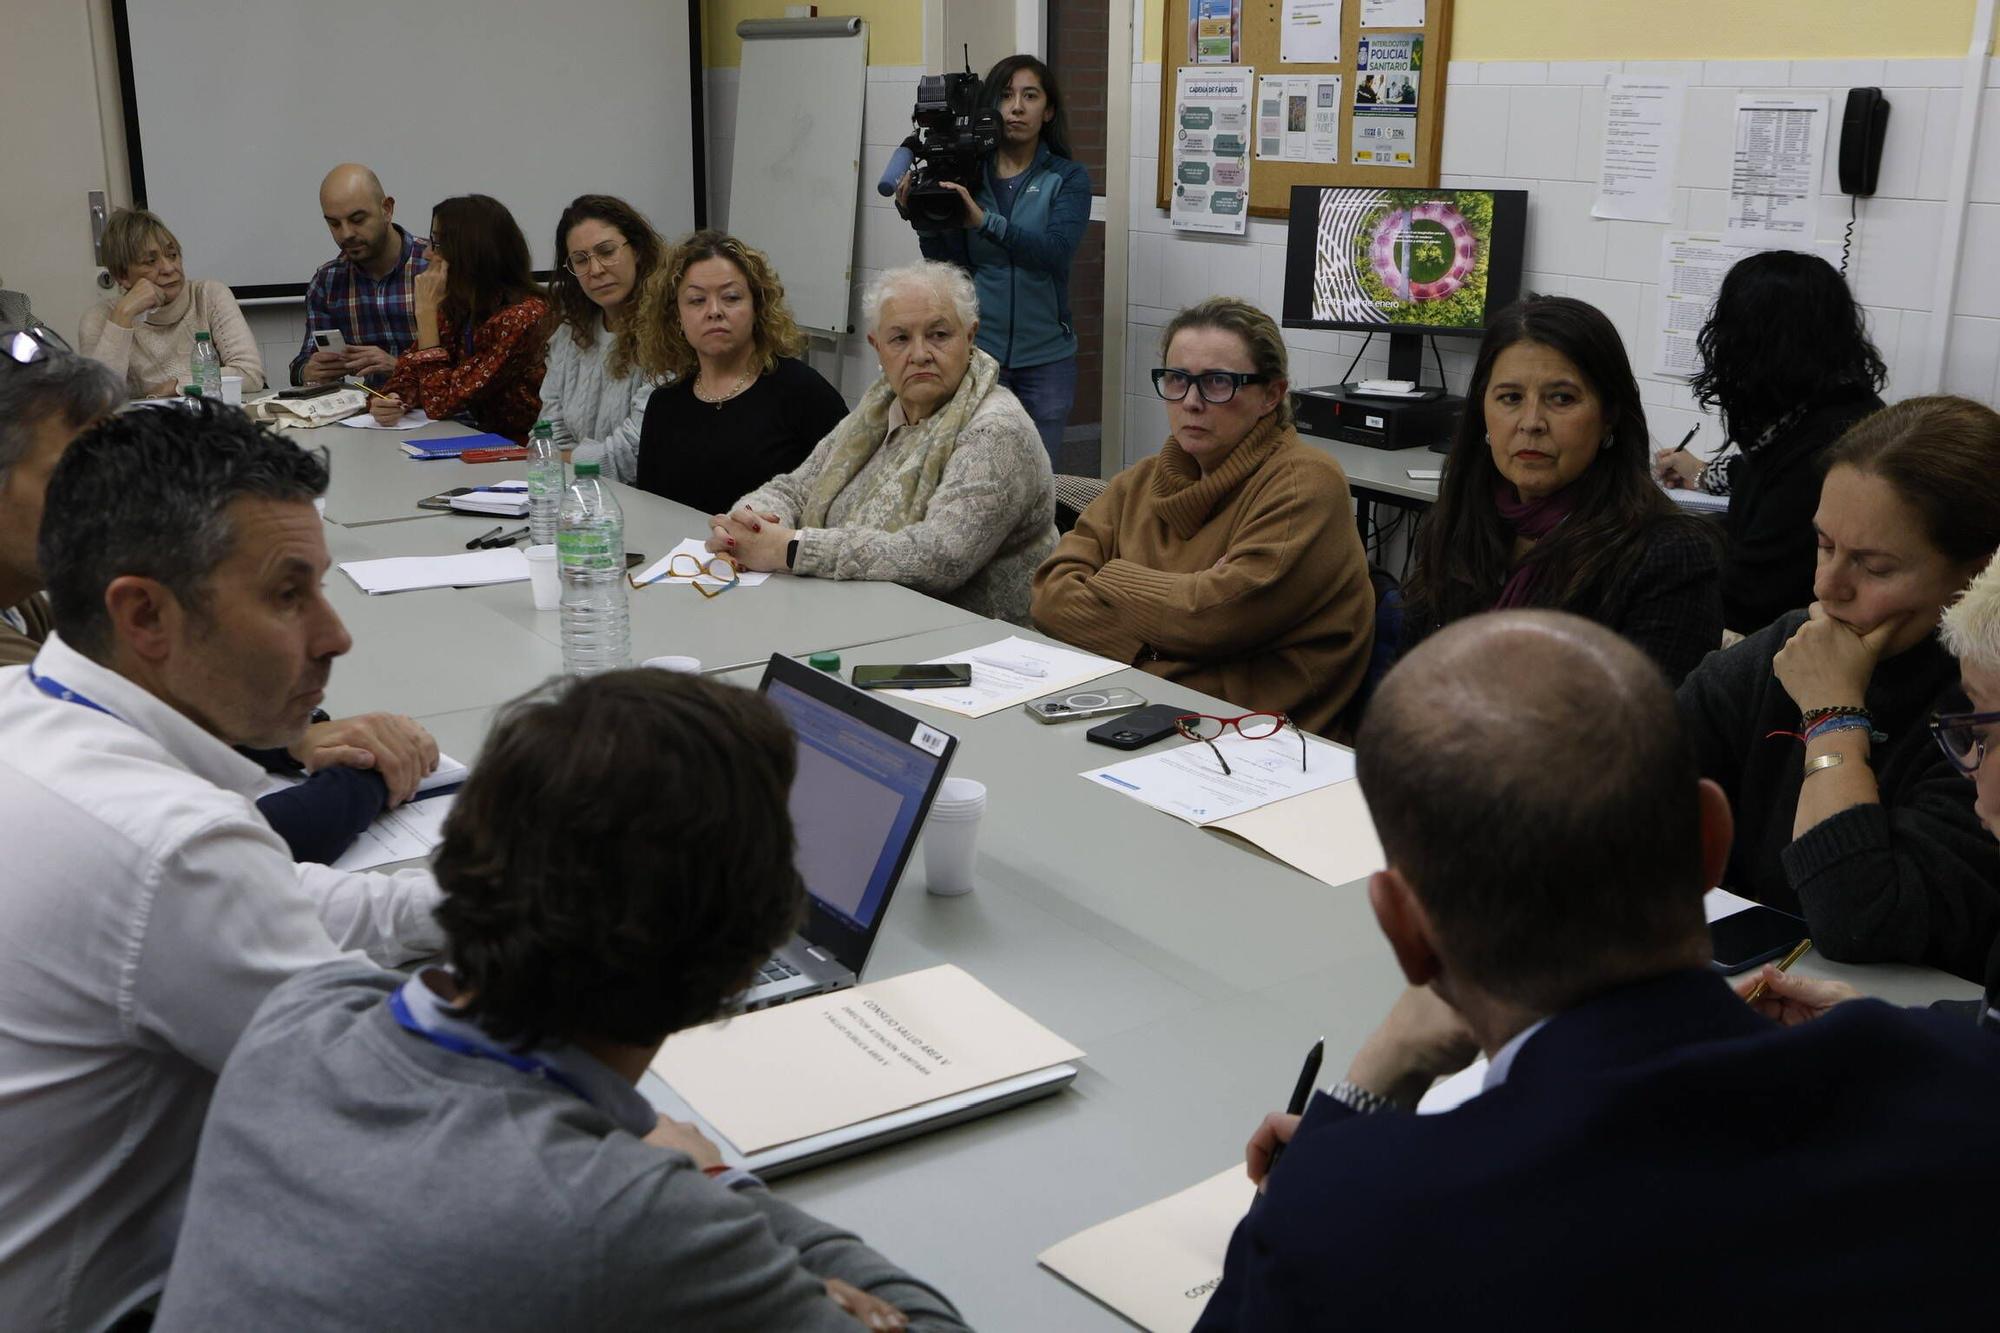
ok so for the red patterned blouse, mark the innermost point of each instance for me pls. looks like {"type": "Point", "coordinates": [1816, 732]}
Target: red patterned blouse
{"type": "Point", "coordinates": [497, 381]}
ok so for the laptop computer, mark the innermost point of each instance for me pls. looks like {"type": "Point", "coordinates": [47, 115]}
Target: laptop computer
{"type": "Point", "coordinates": [867, 775]}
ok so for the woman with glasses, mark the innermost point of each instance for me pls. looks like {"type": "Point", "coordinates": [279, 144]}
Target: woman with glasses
{"type": "Point", "coordinates": [1228, 561]}
{"type": "Point", "coordinates": [593, 393]}
{"type": "Point", "coordinates": [482, 326]}
{"type": "Point", "coordinates": [936, 480]}
{"type": "Point", "coordinates": [147, 332]}
{"type": "Point", "coordinates": [1785, 357]}
{"type": "Point", "coordinates": [1816, 726]}
{"type": "Point", "coordinates": [1017, 233]}
{"type": "Point", "coordinates": [739, 407]}
{"type": "Point", "coordinates": [1547, 500]}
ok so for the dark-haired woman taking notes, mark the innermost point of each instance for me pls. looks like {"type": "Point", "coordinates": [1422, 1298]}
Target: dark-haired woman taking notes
{"type": "Point", "coordinates": [1785, 358]}
{"type": "Point", "coordinates": [1547, 501]}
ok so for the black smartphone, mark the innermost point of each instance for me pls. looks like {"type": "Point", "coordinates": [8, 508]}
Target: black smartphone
{"type": "Point", "coordinates": [1755, 935]}
{"type": "Point", "coordinates": [1138, 728]}
{"type": "Point", "coordinates": [916, 676]}
{"type": "Point", "coordinates": [312, 390]}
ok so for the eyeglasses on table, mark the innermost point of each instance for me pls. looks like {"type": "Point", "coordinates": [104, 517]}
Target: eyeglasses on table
{"type": "Point", "coordinates": [1206, 728]}
{"type": "Point", "coordinates": [685, 566]}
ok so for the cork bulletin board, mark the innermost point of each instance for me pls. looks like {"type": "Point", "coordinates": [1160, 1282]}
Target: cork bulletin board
{"type": "Point", "coordinates": [1374, 96]}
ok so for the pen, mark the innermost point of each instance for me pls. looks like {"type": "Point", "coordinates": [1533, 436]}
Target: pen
{"type": "Point", "coordinates": [1681, 448]}
{"type": "Point", "coordinates": [1020, 667]}
{"type": "Point", "coordinates": [1798, 952]}
{"type": "Point", "coordinates": [480, 540]}
{"type": "Point", "coordinates": [505, 538]}
{"type": "Point", "coordinates": [1300, 1092]}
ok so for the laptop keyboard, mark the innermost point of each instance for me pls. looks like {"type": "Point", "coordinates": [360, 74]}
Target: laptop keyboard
{"type": "Point", "coordinates": [775, 970]}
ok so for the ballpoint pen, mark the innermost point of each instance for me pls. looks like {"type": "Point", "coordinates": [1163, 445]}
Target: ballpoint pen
{"type": "Point", "coordinates": [480, 540]}
{"type": "Point", "coordinates": [1301, 1091]}
{"type": "Point", "coordinates": [505, 538]}
{"type": "Point", "coordinates": [1757, 991]}
{"type": "Point", "coordinates": [1681, 448]}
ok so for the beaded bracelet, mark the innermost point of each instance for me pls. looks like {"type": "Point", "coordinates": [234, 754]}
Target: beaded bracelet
{"type": "Point", "coordinates": [1812, 715]}
{"type": "Point", "coordinates": [1842, 722]}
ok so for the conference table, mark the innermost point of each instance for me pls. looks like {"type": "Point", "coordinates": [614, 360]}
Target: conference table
{"type": "Point", "coordinates": [1194, 970]}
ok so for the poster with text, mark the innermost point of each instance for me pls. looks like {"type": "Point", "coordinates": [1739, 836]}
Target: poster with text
{"type": "Point", "coordinates": [1298, 118]}
{"type": "Point", "coordinates": [1215, 31]}
{"type": "Point", "coordinates": [1388, 69]}
{"type": "Point", "coordinates": [1309, 32]}
{"type": "Point", "coordinates": [1780, 151]}
{"type": "Point", "coordinates": [1392, 13]}
{"type": "Point", "coordinates": [1211, 162]}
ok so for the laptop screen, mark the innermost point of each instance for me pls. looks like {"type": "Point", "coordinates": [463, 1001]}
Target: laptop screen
{"type": "Point", "coordinates": [866, 774]}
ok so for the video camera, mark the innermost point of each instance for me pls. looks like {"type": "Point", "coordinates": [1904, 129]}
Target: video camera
{"type": "Point", "coordinates": [953, 135]}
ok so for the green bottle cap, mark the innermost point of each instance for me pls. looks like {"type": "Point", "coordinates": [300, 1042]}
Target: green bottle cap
{"type": "Point", "coordinates": [201, 335]}
{"type": "Point", "coordinates": [543, 425]}
{"type": "Point", "coordinates": [827, 662]}
{"type": "Point", "coordinates": [585, 469]}
{"type": "Point", "coordinates": [192, 391]}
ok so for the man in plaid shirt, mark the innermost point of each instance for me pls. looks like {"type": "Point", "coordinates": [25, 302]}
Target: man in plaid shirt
{"type": "Point", "coordinates": [369, 292]}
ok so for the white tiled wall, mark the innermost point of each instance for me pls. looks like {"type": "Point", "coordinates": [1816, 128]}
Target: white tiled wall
{"type": "Point", "coordinates": [1536, 126]}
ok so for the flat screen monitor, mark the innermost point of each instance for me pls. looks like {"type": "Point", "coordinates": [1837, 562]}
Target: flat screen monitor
{"type": "Point", "coordinates": [1402, 262]}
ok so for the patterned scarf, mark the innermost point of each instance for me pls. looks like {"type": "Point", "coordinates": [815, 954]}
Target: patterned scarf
{"type": "Point", "coordinates": [862, 431]}
{"type": "Point", "coordinates": [1533, 519]}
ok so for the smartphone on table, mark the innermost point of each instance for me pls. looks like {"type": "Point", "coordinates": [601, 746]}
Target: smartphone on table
{"type": "Point", "coordinates": [1742, 940]}
{"type": "Point", "coordinates": [914, 676]}
{"type": "Point", "coordinates": [1139, 728]}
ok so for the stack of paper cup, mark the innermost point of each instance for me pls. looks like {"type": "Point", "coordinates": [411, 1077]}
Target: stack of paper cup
{"type": "Point", "coordinates": [951, 836]}
{"type": "Point", "coordinates": [544, 577]}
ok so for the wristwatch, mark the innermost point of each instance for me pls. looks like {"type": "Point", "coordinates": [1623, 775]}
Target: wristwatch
{"type": "Point", "coordinates": [1359, 1099]}
{"type": "Point", "coordinates": [792, 553]}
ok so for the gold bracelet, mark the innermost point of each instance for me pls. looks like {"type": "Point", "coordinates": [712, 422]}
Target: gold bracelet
{"type": "Point", "coordinates": [1834, 760]}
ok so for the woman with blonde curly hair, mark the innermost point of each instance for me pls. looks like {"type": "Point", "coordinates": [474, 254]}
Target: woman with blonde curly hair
{"type": "Point", "coordinates": [742, 407]}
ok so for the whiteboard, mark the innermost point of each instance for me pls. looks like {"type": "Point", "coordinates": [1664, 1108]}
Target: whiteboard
{"type": "Point", "coordinates": [236, 108]}
{"type": "Point", "coordinates": [794, 179]}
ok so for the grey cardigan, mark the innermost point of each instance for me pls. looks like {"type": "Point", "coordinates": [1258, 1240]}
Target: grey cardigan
{"type": "Point", "coordinates": [592, 410]}
{"type": "Point", "coordinates": [989, 524]}
{"type": "Point", "coordinates": [354, 1175]}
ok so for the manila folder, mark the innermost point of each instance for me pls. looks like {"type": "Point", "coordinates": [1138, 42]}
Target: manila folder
{"type": "Point", "coordinates": [1157, 1265]}
{"type": "Point", "coordinates": [830, 1061]}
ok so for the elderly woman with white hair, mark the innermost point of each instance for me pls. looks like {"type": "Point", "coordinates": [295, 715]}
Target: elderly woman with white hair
{"type": "Point", "coordinates": [937, 480]}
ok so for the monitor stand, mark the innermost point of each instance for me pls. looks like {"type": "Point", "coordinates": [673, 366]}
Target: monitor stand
{"type": "Point", "coordinates": [1406, 362]}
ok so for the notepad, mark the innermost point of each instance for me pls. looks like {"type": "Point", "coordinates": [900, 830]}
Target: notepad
{"type": "Point", "coordinates": [1159, 1264]}
{"type": "Point", "coordinates": [828, 1061]}
{"type": "Point", "coordinates": [1699, 502]}
{"type": "Point", "coordinates": [503, 499]}
{"type": "Point", "coordinates": [407, 573]}
{"type": "Point", "coordinates": [453, 446]}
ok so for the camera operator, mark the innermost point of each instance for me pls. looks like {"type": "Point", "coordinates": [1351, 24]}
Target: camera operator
{"type": "Point", "coordinates": [1017, 238]}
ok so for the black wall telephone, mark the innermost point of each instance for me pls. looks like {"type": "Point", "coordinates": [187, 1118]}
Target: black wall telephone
{"type": "Point", "coordinates": [1862, 130]}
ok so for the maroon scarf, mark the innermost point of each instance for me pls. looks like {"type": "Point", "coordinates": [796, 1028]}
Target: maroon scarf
{"type": "Point", "coordinates": [1533, 519]}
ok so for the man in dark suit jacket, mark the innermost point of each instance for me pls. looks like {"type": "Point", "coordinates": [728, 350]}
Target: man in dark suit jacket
{"type": "Point", "coordinates": [1649, 1151]}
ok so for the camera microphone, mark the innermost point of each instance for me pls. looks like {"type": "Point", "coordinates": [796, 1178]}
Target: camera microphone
{"type": "Point", "coordinates": [899, 162]}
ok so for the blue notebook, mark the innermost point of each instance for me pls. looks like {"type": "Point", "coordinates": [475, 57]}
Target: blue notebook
{"type": "Point", "coordinates": [453, 447]}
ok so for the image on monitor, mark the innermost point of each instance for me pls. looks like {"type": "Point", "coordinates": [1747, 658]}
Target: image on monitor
{"type": "Point", "coordinates": [1424, 260]}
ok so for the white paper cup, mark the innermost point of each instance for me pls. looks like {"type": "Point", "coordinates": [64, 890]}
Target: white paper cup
{"type": "Point", "coordinates": [959, 793]}
{"type": "Point", "coordinates": [690, 665]}
{"type": "Point", "coordinates": [950, 846]}
{"type": "Point", "coordinates": [232, 390]}
{"type": "Point", "coordinates": [544, 578]}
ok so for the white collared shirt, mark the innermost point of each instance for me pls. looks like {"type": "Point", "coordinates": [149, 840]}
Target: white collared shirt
{"type": "Point", "coordinates": [146, 909]}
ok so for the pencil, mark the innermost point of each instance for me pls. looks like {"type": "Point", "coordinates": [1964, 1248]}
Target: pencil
{"type": "Point", "coordinates": [353, 382]}
{"type": "Point", "coordinates": [1785, 965]}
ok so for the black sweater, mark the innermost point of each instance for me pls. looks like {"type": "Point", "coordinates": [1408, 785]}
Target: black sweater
{"type": "Point", "coordinates": [1912, 879]}
{"type": "Point", "coordinates": [1670, 606]}
{"type": "Point", "coordinates": [1773, 494]}
{"type": "Point", "coordinates": [710, 455]}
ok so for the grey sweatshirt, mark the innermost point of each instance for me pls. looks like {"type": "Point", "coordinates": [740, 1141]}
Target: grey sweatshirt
{"type": "Point", "coordinates": [355, 1175]}
{"type": "Point", "coordinates": [591, 409]}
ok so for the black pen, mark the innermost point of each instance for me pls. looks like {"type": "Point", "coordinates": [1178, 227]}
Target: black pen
{"type": "Point", "coordinates": [1300, 1093]}
{"type": "Point", "coordinates": [480, 540]}
{"type": "Point", "coordinates": [505, 538]}
{"type": "Point", "coordinates": [1681, 448]}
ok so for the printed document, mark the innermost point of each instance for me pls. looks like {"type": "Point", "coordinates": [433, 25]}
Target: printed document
{"type": "Point", "coordinates": [1158, 1265]}
{"type": "Point", "coordinates": [407, 573]}
{"type": "Point", "coordinates": [1011, 672]}
{"type": "Point", "coordinates": [1642, 144]}
{"type": "Point", "coordinates": [366, 421]}
{"type": "Point", "coordinates": [1774, 179]}
{"type": "Point", "coordinates": [1189, 784]}
{"type": "Point", "coordinates": [1309, 32]}
{"type": "Point", "coordinates": [834, 1060]}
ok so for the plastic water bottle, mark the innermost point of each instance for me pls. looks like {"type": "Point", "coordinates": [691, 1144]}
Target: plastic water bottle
{"type": "Point", "coordinates": [545, 485]}
{"type": "Point", "coordinates": [590, 553]}
{"type": "Point", "coordinates": [205, 372]}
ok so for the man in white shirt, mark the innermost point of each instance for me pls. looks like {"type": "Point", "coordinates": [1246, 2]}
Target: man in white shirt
{"type": "Point", "coordinates": [147, 907]}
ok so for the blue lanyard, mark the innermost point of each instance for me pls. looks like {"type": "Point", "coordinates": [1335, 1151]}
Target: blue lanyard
{"type": "Point", "coordinates": [460, 1046]}
{"type": "Point", "coordinates": [55, 689]}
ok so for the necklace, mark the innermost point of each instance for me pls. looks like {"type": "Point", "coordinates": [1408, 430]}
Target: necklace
{"type": "Point", "coordinates": [742, 382]}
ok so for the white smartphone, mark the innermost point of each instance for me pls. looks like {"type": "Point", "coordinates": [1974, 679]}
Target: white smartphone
{"type": "Point", "coordinates": [1073, 704]}
{"type": "Point", "coordinates": [329, 340]}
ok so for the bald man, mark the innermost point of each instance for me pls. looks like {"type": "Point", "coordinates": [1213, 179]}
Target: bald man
{"type": "Point", "coordinates": [1647, 1151]}
{"type": "Point", "coordinates": [368, 292]}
